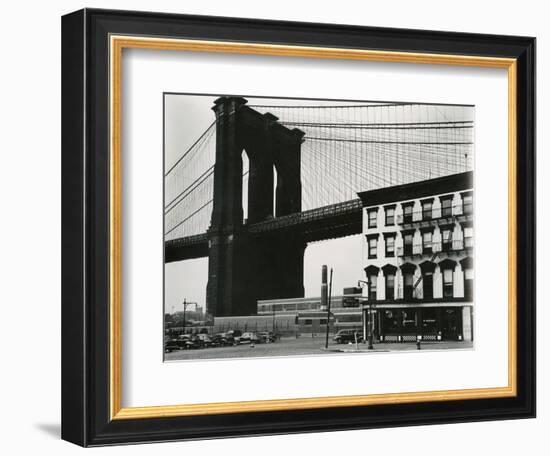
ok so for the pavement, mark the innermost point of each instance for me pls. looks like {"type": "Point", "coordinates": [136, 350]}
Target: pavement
{"type": "Point", "coordinates": [404, 346]}
{"type": "Point", "coordinates": [305, 346]}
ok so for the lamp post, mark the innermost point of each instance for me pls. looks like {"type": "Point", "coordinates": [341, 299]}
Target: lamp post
{"type": "Point", "coordinates": [184, 309]}
{"type": "Point", "coordinates": [364, 285]}
{"type": "Point", "coordinates": [328, 300]}
{"type": "Point", "coordinates": [185, 304]}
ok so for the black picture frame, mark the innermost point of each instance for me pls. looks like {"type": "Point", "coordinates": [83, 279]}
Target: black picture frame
{"type": "Point", "coordinates": [85, 223]}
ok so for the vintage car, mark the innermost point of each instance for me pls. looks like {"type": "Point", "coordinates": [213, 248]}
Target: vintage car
{"type": "Point", "coordinates": [170, 345]}
{"type": "Point", "coordinates": [345, 336]}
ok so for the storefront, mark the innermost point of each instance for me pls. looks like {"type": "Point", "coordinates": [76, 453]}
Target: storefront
{"type": "Point", "coordinates": [408, 323]}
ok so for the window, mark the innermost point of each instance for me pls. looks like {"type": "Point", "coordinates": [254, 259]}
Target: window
{"type": "Point", "coordinates": [373, 279]}
{"type": "Point", "coordinates": [390, 286]}
{"type": "Point", "coordinates": [390, 321]}
{"type": "Point", "coordinates": [428, 285]}
{"type": "Point", "coordinates": [390, 215]}
{"type": "Point", "coordinates": [409, 321]}
{"type": "Point", "coordinates": [408, 213]}
{"type": "Point", "coordinates": [446, 206]}
{"type": "Point", "coordinates": [468, 237]}
{"type": "Point", "coordinates": [408, 286]}
{"type": "Point", "coordinates": [427, 242]}
{"type": "Point", "coordinates": [373, 246]}
{"type": "Point", "coordinates": [408, 244]}
{"type": "Point", "coordinates": [427, 210]}
{"type": "Point", "coordinates": [469, 283]}
{"type": "Point", "coordinates": [350, 302]}
{"type": "Point", "coordinates": [303, 306]}
{"type": "Point", "coordinates": [372, 217]}
{"type": "Point", "coordinates": [467, 203]}
{"type": "Point", "coordinates": [390, 246]}
{"type": "Point", "coordinates": [447, 283]}
{"type": "Point", "coordinates": [348, 319]}
{"type": "Point", "coordinates": [429, 320]}
{"type": "Point", "coordinates": [446, 239]}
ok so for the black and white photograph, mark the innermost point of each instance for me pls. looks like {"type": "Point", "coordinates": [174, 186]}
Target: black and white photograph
{"type": "Point", "coordinates": [274, 228]}
{"type": "Point", "coordinates": [299, 227]}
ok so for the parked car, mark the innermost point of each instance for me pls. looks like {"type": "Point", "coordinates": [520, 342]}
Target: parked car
{"type": "Point", "coordinates": [204, 340]}
{"type": "Point", "coordinates": [223, 339]}
{"type": "Point", "coordinates": [234, 335]}
{"type": "Point", "coordinates": [267, 336]}
{"type": "Point", "coordinates": [249, 338]}
{"type": "Point", "coordinates": [188, 341]}
{"type": "Point", "coordinates": [345, 336]}
{"type": "Point", "coordinates": [170, 345]}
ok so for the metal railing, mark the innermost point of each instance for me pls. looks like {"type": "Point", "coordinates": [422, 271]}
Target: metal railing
{"type": "Point", "coordinates": [428, 248]}
{"type": "Point", "coordinates": [409, 249]}
{"type": "Point", "coordinates": [346, 207]}
{"type": "Point", "coordinates": [424, 216]}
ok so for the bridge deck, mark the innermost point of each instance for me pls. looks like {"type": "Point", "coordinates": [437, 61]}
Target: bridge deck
{"type": "Point", "coordinates": [327, 222]}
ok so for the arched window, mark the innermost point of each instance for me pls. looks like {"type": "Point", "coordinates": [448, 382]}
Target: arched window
{"type": "Point", "coordinates": [427, 269]}
{"type": "Point", "coordinates": [447, 267]}
{"type": "Point", "coordinates": [389, 274]}
{"type": "Point", "coordinates": [372, 281]}
{"type": "Point", "coordinates": [468, 268]}
{"type": "Point", "coordinates": [408, 270]}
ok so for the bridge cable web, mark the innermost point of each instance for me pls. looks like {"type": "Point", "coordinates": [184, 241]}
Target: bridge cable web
{"type": "Point", "coordinates": [346, 149]}
{"type": "Point", "coordinates": [189, 188]}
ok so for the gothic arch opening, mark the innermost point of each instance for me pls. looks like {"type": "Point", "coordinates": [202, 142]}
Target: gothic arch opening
{"type": "Point", "coordinates": [274, 189]}
{"type": "Point", "coordinates": [245, 178]}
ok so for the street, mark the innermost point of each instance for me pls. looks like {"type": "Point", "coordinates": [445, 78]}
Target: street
{"type": "Point", "coordinates": [303, 346]}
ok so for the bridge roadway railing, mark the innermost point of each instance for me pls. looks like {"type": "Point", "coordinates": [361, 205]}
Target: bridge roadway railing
{"type": "Point", "coordinates": [335, 220]}
{"type": "Point", "coordinates": [188, 240]}
{"type": "Point", "coordinates": [306, 217]}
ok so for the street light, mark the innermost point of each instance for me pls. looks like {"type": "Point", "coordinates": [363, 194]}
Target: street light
{"type": "Point", "coordinates": [184, 309]}
{"type": "Point", "coordinates": [363, 284]}
{"type": "Point", "coordinates": [185, 304]}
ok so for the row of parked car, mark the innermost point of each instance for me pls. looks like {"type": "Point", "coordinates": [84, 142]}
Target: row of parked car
{"type": "Point", "coordinates": [225, 339]}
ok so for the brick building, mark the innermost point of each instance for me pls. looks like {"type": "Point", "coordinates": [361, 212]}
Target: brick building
{"type": "Point", "coordinates": [418, 257]}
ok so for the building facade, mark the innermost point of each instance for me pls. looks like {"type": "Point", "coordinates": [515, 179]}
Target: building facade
{"type": "Point", "coordinates": [418, 257]}
{"type": "Point", "coordinates": [311, 317]}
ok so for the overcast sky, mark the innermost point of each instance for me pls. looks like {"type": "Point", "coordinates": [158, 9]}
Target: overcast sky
{"type": "Point", "coordinates": [186, 117]}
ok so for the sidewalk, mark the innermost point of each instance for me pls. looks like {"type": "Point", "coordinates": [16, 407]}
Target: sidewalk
{"type": "Point", "coordinates": [400, 346]}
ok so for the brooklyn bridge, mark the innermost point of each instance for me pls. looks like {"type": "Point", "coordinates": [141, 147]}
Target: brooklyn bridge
{"type": "Point", "coordinates": [263, 181]}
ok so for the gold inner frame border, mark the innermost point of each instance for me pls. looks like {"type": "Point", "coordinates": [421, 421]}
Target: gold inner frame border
{"type": "Point", "coordinates": [116, 46]}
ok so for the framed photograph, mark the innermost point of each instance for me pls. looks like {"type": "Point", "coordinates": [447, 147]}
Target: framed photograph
{"type": "Point", "coordinates": [278, 227]}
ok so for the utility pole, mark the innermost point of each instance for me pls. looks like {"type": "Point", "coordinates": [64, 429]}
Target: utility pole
{"type": "Point", "coordinates": [184, 309]}
{"type": "Point", "coordinates": [371, 327]}
{"type": "Point", "coordinates": [328, 307]}
{"type": "Point", "coordinates": [370, 316]}
{"type": "Point", "coordinates": [324, 293]}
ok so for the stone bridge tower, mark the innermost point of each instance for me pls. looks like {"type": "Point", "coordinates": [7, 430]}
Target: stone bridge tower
{"type": "Point", "coordinates": [242, 267]}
